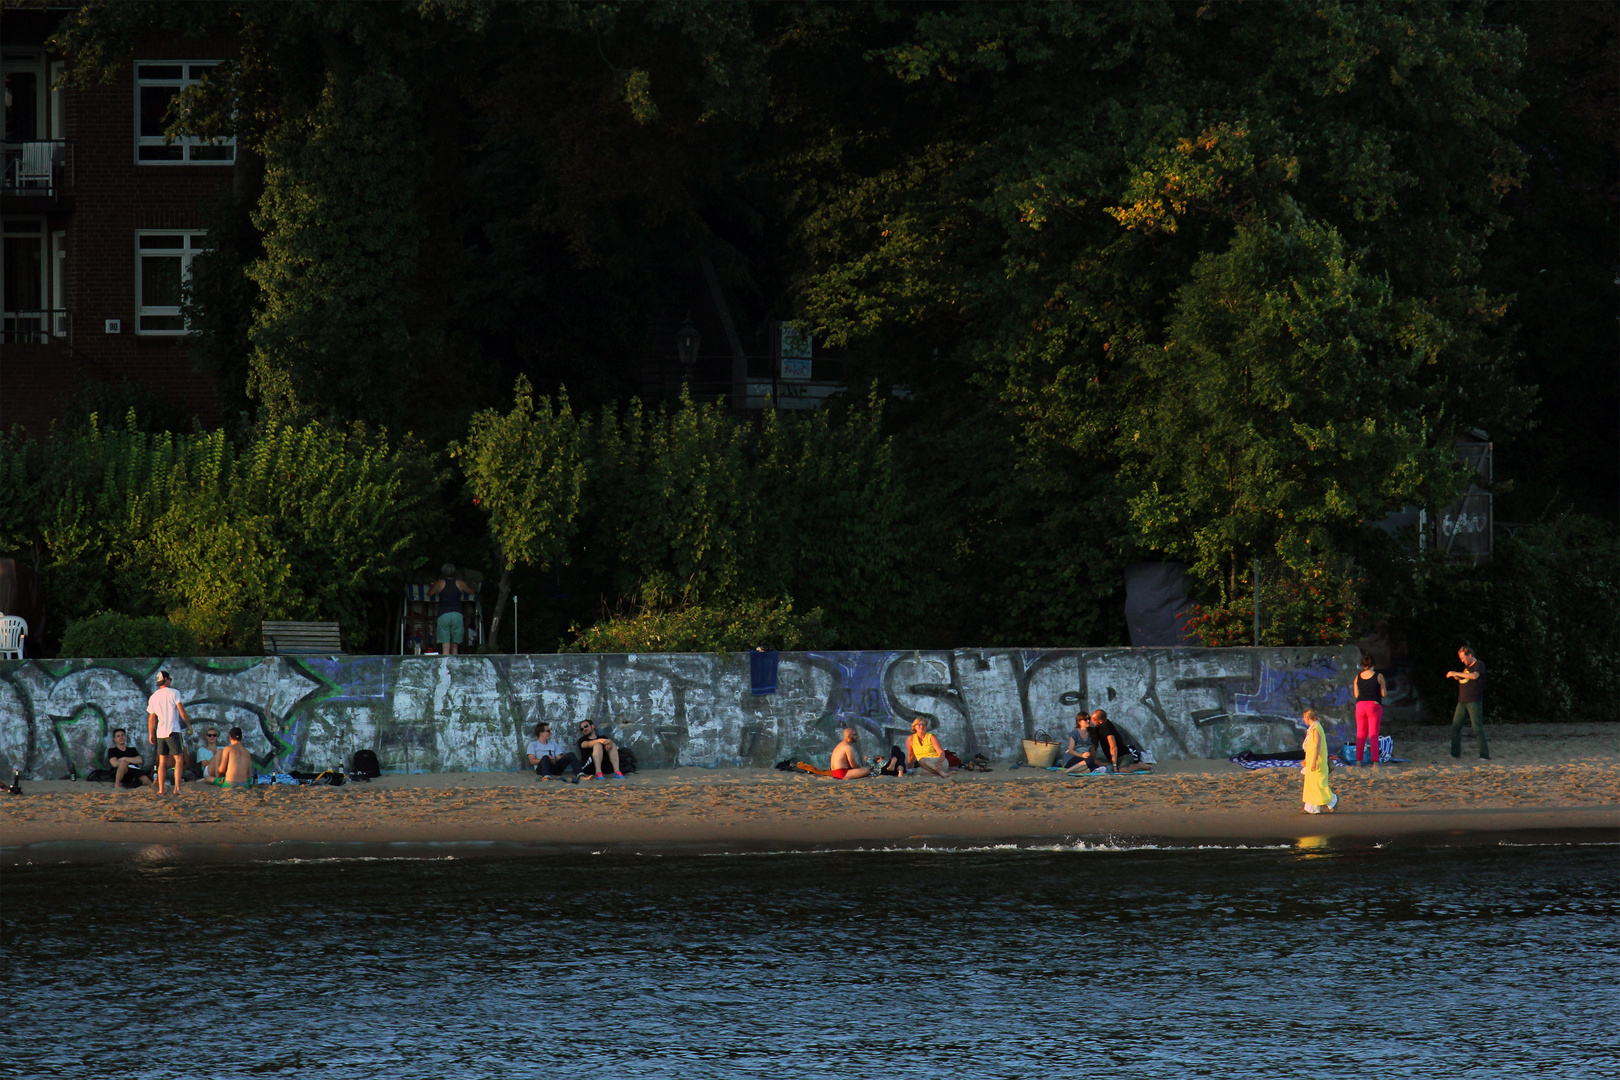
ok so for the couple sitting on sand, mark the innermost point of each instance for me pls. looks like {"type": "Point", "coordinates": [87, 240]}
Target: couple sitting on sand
{"type": "Point", "coordinates": [923, 754]}
{"type": "Point", "coordinates": [1096, 745]}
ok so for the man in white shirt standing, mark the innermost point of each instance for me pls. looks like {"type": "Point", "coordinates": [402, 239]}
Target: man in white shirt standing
{"type": "Point", "coordinates": [164, 717]}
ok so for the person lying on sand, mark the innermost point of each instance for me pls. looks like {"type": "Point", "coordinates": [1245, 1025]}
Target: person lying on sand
{"type": "Point", "coordinates": [234, 767]}
{"type": "Point", "coordinates": [924, 752]}
{"type": "Point", "coordinates": [845, 765]}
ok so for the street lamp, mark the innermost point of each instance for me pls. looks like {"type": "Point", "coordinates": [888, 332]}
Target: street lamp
{"type": "Point", "coordinates": [686, 346]}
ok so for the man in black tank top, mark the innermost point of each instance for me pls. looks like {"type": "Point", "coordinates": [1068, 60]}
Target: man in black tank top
{"type": "Point", "coordinates": [450, 630]}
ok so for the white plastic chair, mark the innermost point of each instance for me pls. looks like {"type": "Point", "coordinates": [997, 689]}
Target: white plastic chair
{"type": "Point", "coordinates": [12, 631]}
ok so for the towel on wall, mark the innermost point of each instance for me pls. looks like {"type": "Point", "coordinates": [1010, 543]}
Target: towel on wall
{"type": "Point", "coordinates": [762, 670]}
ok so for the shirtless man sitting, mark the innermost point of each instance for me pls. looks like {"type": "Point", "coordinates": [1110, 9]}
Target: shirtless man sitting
{"type": "Point", "coordinates": [845, 765]}
{"type": "Point", "coordinates": [234, 765]}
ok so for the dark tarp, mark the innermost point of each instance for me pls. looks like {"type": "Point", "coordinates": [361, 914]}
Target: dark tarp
{"type": "Point", "coordinates": [1156, 604]}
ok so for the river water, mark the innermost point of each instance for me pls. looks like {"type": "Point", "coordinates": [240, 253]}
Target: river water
{"type": "Point", "coordinates": [1073, 960]}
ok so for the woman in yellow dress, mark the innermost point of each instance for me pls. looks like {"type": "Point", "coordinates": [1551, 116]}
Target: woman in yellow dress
{"type": "Point", "coordinates": [1318, 796]}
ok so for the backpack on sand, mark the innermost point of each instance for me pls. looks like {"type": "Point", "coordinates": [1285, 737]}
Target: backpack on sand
{"type": "Point", "coordinates": [364, 766]}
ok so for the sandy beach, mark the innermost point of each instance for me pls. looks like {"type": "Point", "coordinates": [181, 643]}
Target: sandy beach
{"type": "Point", "coordinates": [1544, 776]}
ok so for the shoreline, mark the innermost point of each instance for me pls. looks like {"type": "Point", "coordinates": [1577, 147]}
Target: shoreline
{"type": "Point", "coordinates": [163, 853]}
{"type": "Point", "coordinates": [1541, 782]}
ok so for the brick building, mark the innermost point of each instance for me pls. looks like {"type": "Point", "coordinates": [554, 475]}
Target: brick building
{"type": "Point", "coordinates": [102, 218]}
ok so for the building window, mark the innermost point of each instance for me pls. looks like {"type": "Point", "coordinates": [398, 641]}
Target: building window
{"type": "Point", "coordinates": [163, 263]}
{"type": "Point", "coordinates": [22, 281]}
{"type": "Point", "coordinates": [155, 87]}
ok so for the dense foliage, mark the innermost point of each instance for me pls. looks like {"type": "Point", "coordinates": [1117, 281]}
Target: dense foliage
{"type": "Point", "coordinates": [1545, 612]}
{"type": "Point", "coordinates": [291, 523]}
{"type": "Point", "coordinates": [717, 627]}
{"type": "Point", "coordinates": [110, 633]}
{"type": "Point", "coordinates": [1212, 282]}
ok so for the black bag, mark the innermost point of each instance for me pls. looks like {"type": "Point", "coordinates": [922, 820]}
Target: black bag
{"type": "Point", "coordinates": [627, 760]}
{"type": "Point", "coordinates": [365, 766]}
{"type": "Point", "coordinates": [100, 776]}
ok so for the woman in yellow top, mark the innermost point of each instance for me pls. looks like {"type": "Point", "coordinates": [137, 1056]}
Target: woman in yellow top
{"type": "Point", "coordinates": [1318, 796]}
{"type": "Point", "coordinates": [924, 752]}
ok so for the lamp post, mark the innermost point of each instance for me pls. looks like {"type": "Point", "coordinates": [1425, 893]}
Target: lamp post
{"type": "Point", "coordinates": [686, 347]}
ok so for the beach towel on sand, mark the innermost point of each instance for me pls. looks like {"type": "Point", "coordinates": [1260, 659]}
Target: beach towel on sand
{"type": "Point", "coordinates": [1292, 759]}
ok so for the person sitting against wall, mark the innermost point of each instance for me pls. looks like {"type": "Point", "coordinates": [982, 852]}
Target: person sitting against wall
{"type": "Point", "coordinates": [1079, 749]}
{"type": "Point", "coordinates": [593, 746]}
{"type": "Point", "coordinates": [125, 761]}
{"type": "Point", "coordinates": [1111, 748]}
{"type": "Point", "coordinates": [550, 757]}
{"type": "Point", "coordinates": [924, 752]}
{"type": "Point", "coordinates": [202, 762]}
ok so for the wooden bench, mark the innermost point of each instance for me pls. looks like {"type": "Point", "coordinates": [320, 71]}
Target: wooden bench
{"type": "Point", "coordinates": [301, 638]}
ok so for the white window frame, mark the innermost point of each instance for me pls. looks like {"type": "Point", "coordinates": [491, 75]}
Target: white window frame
{"type": "Point", "coordinates": [193, 243]}
{"type": "Point", "coordinates": [188, 145]}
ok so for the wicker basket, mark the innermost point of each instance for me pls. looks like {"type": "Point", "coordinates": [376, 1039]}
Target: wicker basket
{"type": "Point", "coordinates": [1040, 752]}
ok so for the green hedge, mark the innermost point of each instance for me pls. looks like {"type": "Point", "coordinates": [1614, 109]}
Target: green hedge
{"type": "Point", "coordinates": [112, 634]}
{"type": "Point", "coordinates": [716, 628]}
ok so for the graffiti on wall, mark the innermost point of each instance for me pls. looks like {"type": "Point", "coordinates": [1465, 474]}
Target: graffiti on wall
{"type": "Point", "coordinates": [475, 713]}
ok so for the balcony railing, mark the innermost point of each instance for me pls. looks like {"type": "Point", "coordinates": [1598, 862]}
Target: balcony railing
{"type": "Point", "coordinates": [36, 327]}
{"type": "Point", "coordinates": [42, 169]}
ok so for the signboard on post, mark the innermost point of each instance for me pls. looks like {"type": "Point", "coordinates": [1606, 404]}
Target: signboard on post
{"type": "Point", "coordinates": [793, 352]}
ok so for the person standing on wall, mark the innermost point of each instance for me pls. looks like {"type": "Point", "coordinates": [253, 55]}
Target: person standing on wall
{"type": "Point", "coordinates": [1470, 702]}
{"type": "Point", "coordinates": [164, 718]}
{"type": "Point", "coordinates": [1370, 691]}
{"type": "Point", "coordinates": [451, 627]}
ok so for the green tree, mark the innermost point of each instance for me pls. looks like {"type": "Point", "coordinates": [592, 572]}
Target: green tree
{"type": "Point", "coordinates": [526, 468]}
{"type": "Point", "coordinates": [673, 503]}
{"type": "Point", "coordinates": [1089, 174]}
{"type": "Point", "coordinates": [1286, 408]}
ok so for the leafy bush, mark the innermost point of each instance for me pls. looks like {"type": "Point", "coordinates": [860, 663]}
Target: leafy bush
{"type": "Point", "coordinates": [713, 627]}
{"type": "Point", "coordinates": [1318, 606]}
{"type": "Point", "coordinates": [113, 634]}
{"type": "Point", "coordinates": [290, 523]}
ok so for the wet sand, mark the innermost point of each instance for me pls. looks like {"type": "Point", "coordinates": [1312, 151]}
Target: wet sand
{"type": "Point", "coordinates": [1541, 776]}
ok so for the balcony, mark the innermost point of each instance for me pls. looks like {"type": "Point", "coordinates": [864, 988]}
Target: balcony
{"type": "Point", "coordinates": [36, 327]}
{"type": "Point", "coordinates": [36, 177]}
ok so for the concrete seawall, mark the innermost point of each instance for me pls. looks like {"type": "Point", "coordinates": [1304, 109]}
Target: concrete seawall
{"type": "Point", "coordinates": [474, 713]}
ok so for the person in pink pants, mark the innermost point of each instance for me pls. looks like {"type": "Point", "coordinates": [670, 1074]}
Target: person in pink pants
{"type": "Point", "coordinates": [1369, 688]}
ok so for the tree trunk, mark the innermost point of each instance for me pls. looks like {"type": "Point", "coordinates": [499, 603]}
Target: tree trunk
{"type": "Point", "coordinates": [501, 595]}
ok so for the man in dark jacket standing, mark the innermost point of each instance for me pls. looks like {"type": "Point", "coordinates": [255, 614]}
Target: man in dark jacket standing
{"type": "Point", "coordinates": [1470, 701]}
